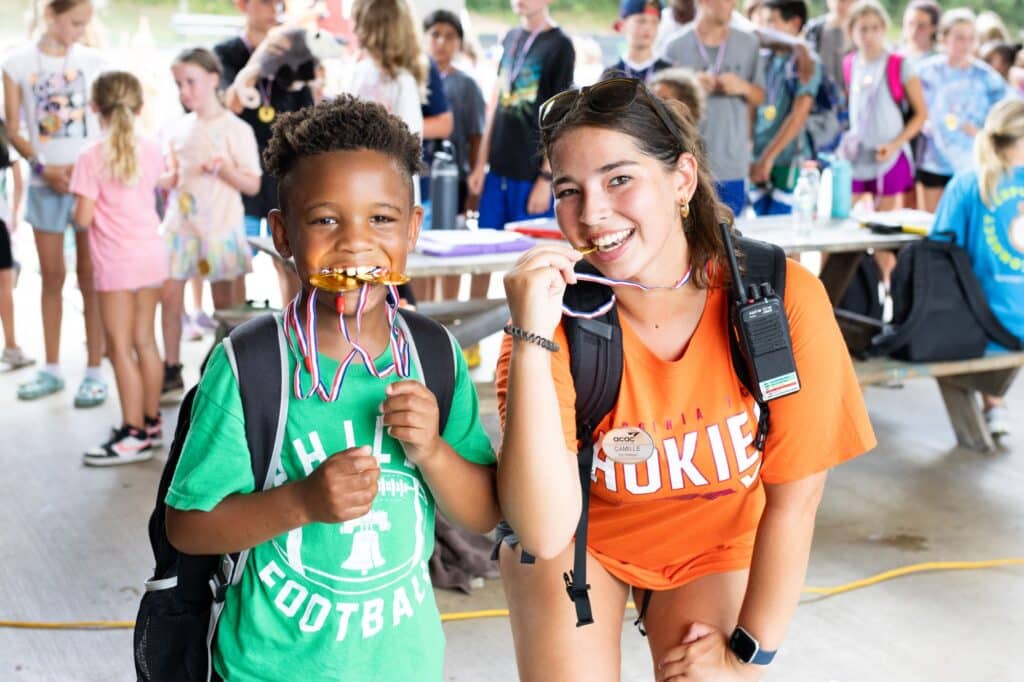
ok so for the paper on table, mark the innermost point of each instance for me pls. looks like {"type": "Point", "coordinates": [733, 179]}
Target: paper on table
{"type": "Point", "coordinates": [470, 242]}
{"type": "Point", "coordinates": [910, 219]}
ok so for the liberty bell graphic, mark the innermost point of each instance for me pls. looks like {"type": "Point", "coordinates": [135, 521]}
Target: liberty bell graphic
{"type": "Point", "coordinates": [365, 533]}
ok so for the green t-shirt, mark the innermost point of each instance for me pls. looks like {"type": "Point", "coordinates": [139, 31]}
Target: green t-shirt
{"type": "Point", "coordinates": [349, 601]}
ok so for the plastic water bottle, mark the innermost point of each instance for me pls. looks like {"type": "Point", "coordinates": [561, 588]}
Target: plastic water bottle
{"type": "Point", "coordinates": [805, 200]}
{"type": "Point", "coordinates": [444, 188]}
{"type": "Point", "coordinates": [842, 188]}
{"type": "Point", "coordinates": [824, 211]}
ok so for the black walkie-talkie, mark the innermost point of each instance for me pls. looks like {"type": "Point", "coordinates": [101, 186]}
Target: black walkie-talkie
{"type": "Point", "coordinates": [760, 323]}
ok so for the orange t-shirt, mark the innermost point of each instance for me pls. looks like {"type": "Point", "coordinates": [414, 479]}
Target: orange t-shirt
{"type": "Point", "coordinates": [693, 508]}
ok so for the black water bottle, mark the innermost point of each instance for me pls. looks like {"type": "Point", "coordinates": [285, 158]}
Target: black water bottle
{"type": "Point", "coordinates": [444, 188]}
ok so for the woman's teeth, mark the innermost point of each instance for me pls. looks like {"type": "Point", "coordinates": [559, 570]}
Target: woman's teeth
{"type": "Point", "coordinates": [607, 242]}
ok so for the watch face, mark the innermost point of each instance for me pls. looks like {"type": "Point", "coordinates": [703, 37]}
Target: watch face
{"type": "Point", "coordinates": [743, 645]}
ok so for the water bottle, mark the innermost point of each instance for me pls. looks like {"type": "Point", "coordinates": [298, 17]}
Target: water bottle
{"type": "Point", "coordinates": [444, 188]}
{"type": "Point", "coordinates": [842, 188]}
{"type": "Point", "coordinates": [825, 196]}
{"type": "Point", "coordinates": [805, 200]}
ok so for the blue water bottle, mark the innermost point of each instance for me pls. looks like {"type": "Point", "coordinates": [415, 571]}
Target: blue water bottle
{"type": "Point", "coordinates": [842, 187]}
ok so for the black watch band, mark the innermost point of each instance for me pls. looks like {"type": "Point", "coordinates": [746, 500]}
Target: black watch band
{"type": "Point", "coordinates": [747, 649]}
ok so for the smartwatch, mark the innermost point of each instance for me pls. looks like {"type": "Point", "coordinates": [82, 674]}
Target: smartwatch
{"type": "Point", "coordinates": [748, 649]}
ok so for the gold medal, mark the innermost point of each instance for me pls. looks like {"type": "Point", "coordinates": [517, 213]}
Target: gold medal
{"type": "Point", "coordinates": [204, 267]}
{"type": "Point", "coordinates": [952, 122]}
{"type": "Point", "coordinates": [770, 112]}
{"type": "Point", "coordinates": [266, 113]}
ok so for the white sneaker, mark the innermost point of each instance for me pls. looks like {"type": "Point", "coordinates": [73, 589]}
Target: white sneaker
{"type": "Point", "coordinates": [998, 420]}
{"type": "Point", "coordinates": [15, 358]}
{"type": "Point", "coordinates": [190, 330]}
{"type": "Point", "coordinates": [126, 445]}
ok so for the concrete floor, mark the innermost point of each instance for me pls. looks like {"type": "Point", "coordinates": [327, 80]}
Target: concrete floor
{"type": "Point", "coordinates": [73, 547]}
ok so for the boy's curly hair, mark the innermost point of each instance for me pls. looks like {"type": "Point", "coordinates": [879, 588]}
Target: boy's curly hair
{"type": "Point", "coordinates": [345, 123]}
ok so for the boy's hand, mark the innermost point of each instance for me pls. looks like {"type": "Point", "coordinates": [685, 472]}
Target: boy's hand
{"type": "Point", "coordinates": [760, 171]}
{"type": "Point", "coordinates": [731, 84]}
{"type": "Point", "coordinates": [884, 151]}
{"type": "Point", "coordinates": [539, 200]}
{"type": "Point", "coordinates": [410, 413]}
{"type": "Point", "coordinates": [475, 181]}
{"type": "Point", "coordinates": [707, 81]}
{"type": "Point", "coordinates": [343, 487]}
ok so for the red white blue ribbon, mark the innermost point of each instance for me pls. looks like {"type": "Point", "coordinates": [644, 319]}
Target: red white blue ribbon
{"type": "Point", "coordinates": [308, 348]}
{"type": "Point", "coordinates": [611, 282]}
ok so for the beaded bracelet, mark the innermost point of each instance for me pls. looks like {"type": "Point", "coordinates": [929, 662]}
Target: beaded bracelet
{"type": "Point", "coordinates": [546, 344]}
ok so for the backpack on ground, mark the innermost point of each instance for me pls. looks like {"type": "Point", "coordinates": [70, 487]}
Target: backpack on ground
{"type": "Point", "coordinates": [940, 311]}
{"type": "Point", "coordinates": [595, 359]}
{"type": "Point", "coordinates": [178, 614]}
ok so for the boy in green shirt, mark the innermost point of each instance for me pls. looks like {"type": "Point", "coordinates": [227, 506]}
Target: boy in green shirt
{"type": "Point", "coordinates": [336, 583]}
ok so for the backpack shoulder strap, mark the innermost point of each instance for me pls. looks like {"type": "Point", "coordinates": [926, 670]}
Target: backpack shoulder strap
{"type": "Point", "coordinates": [595, 360]}
{"type": "Point", "coordinates": [848, 68]}
{"type": "Point", "coordinates": [595, 352]}
{"type": "Point", "coordinates": [258, 354]}
{"type": "Point", "coordinates": [893, 67]}
{"type": "Point", "coordinates": [893, 337]}
{"type": "Point", "coordinates": [431, 340]}
{"type": "Point", "coordinates": [979, 302]}
{"type": "Point", "coordinates": [762, 263]}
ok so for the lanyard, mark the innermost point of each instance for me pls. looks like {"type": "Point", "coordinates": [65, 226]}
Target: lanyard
{"type": "Point", "coordinates": [306, 340]}
{"type": "Point", "coordinates": [777, 77]}
{"type": "Point", "coordinates": [719, 58]}
{"type": "Point", "coordinates": [608, 281]}
{"type": "Point", "coordinates": [519, 57]}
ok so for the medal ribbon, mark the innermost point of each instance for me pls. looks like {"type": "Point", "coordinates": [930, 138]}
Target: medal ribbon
{"type": "Point", "coordinates": [610, 282]}
{"type": "Point", "coordinates": [519, 57]}
{"type": "Point", "coordinates": [308, 349]}
{"type": "Point", "coordinates": [775, 79]}
{"type": "Point", "coordinates": [719, 58]}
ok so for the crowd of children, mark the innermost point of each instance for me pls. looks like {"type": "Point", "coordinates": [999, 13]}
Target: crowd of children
{"type": "Point", "coordinates": [935, 122]}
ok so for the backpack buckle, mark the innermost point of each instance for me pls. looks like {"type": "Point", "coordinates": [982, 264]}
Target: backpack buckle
{"type": "Point", "coordinates": [219, 589]}
{"type": "Point", "coordinates": [574, 591]}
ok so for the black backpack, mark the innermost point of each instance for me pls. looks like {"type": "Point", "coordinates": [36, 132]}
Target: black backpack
{"type": "Point", "coordinates": [939, 308]}
{"type": "Point", "coordinates": [595, 358]}
{"type": "Point", "coordinates": [177, 618]}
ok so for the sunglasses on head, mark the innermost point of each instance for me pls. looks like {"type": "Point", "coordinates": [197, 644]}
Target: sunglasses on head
{"type": "Point", "coordinates": [605, 97]}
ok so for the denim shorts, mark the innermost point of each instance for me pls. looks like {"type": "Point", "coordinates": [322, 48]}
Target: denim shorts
{"type": "Point", "coordinates": [49, 211]}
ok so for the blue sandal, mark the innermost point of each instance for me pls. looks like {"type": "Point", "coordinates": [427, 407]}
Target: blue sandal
{"type": "Point", "coordinates": [42, 385]}
{"type": "Point", "coordinates": [91, 392]}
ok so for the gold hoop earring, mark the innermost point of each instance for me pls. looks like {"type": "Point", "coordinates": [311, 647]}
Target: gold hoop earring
{"type": "Point", "coordinates": [684, 210]}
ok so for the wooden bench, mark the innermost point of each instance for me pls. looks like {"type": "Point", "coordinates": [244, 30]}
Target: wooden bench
{"type": "Point", "coordinates": [959, 383]}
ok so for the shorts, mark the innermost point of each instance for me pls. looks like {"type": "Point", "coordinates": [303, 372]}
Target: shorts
{"type": "Point", "coordinates": [49, 211]}
{"type": "Point", "coordinates": [733, 193]}
{"type": "Point", "coordinates": [898, 180]}
{"type": "Point", "coordinates": [216, 259]}
{"type": "Point", "coordinates": [6, 255]}
{"type": "Point", "coordinates": [932, 180]}
{"type": "Point", "coordinates": [503, 200]}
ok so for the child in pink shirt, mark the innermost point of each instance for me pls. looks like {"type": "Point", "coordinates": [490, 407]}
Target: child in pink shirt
{"type": "Point", "coordinates": [114, 181]}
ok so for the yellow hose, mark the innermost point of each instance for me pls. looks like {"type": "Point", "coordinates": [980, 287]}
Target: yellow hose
{"type": "Point", "coordinates": [822, 592]}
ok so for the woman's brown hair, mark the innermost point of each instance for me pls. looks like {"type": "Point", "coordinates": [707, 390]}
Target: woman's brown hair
{"type": "Point", "coordinates": [650, 135]}
{"type": "Point", "coordinates": [387, 31]}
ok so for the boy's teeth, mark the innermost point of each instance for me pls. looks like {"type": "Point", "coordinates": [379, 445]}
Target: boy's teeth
{"type": "Point", "coordinates": [350, 272]}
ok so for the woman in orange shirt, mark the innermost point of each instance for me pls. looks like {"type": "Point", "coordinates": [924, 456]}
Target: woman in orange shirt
{"type": "Point", "coordinates": [717, 531]}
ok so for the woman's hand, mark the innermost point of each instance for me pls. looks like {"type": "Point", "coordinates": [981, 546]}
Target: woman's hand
{"type": "Point", "coordinates": [704, 654]}
{"type": "Point", "coordinates": [534, 287]}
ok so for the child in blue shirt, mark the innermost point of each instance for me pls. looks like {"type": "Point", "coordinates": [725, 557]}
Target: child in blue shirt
{"type": "Point", "coordinates": [336, 584]}
{"type": "Point", "coordinates": [959, 89]}
{"type": "Point", "coordinates": [984, 208]}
